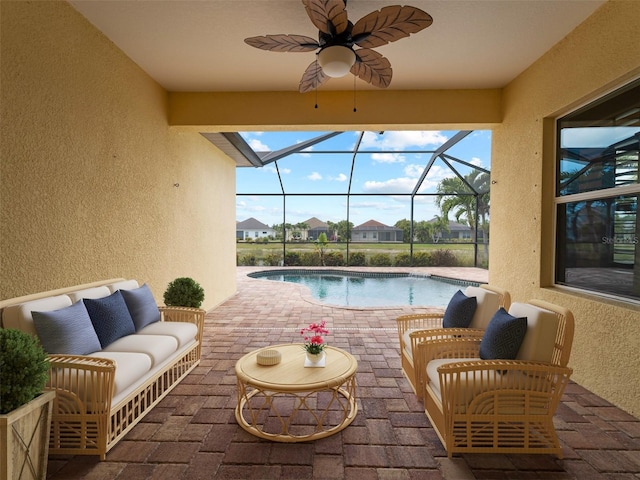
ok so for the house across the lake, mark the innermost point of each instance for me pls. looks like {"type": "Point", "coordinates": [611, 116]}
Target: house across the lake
{"type": "Point", "coordinates": [253, 229]}
{"type": "Point", "coordinates": [376, 232]}
{"type": "Point", "coordinates": [316, 227]}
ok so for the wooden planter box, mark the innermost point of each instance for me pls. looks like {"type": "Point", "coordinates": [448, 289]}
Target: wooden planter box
{"type": "Point", "coordinates": [24, 440]}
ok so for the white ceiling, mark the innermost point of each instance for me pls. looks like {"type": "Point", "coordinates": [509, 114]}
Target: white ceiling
{"type": "Point", "coordinates": [188, 45]}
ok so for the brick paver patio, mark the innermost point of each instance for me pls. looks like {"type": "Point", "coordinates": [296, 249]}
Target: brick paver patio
{"type": "Point", "coordinates": [193, 433]}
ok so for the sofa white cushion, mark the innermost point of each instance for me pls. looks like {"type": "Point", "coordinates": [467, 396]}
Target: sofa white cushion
{"type": "Point", "coordinates": [20, 317]}
{"type": "Point", "coordinates": [157, 347]}
{"type": "Point", "coordinates": [406, 339]}
{"type": "Point", "coordinates": [183, 332]}
{"type": "Point", "coordinates": [95, 292]}
{"type": "Point", "coordinates": [474, 382]}
{"type": "Point", "coordinates": [123, 285]}
{"type": "Point", "coordinates": [130, 368]}
{"type": "Point", "coordinates": [542, 327]}
{"type": "Point", "coordinates": [488, 304]}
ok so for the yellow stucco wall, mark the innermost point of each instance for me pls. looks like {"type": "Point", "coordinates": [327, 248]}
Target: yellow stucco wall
{"type": "Point", "coordinates": [90, 157]}
{"type": "Point", "coordinates": [598, 55]}
{"type": "Point", "coordinates": [90, 166]}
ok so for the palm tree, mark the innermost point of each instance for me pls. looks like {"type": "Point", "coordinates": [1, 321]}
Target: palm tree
{"type": "Point", "coordinates": [437, 226]}
{"type": "Point", "coordinates": [459, 196]}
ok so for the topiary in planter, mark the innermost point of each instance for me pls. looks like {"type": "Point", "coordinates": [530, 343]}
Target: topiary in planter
{"type": "Point", "coordinates": [24, 369]}
{"type": "Point", "coordinates": [184, 292]}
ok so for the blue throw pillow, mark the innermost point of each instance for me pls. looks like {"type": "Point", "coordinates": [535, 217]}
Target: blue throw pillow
{"type": "Point", "coordinates": [503, 336]}
{"type": "Point", "coordinates": [460, 310]}
{"type": "Point", "coordinates": [66, 331]}
{"type": "Point", "coordinates": [110, 317]}
{"type": "Point", "coordinates": [142, 306]}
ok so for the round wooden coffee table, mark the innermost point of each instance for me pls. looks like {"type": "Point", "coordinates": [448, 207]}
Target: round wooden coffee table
{"type": "Point", "coordinates": [289, 402]}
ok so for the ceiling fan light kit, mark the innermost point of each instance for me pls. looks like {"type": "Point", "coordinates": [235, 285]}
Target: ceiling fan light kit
{"type": "Point", "coordinates": [337, 36]}
{"type": "Point", "coordinates": [337, 60]}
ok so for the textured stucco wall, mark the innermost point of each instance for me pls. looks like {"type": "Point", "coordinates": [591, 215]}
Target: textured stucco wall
{"type": "Point", "coordinates": [89, 165]}
{"type": "Point", "coordinates": [598, 55]}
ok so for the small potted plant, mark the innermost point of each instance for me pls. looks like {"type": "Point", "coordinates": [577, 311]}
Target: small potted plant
{"type": "Point", "coordinates": [184, 292]}
{"type": "Point", "coordinates": [313, 342]}
{"type": "Point", "coordinates": [25, 411]}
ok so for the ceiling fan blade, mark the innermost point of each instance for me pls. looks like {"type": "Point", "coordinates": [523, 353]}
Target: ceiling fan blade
{"type": "Point", "coordinates": [372, 67]}
{"type": "Point", "coordinates": [313, 77]}
{"type": "Point", "coordinates": [388, 25]}
{"type": "Point", "coordinates": [329, 16]}
{"type": "Point", "coordinates": [283, 43]}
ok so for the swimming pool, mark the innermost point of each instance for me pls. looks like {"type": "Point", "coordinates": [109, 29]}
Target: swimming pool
{"type": "Point", "coordinates": [360, 289]}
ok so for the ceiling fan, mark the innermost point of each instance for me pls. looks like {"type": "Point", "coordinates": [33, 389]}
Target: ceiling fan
{"type": "Point", "coordinates": [337, 37]}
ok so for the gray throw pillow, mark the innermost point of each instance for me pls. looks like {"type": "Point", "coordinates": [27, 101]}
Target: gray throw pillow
{"type": "Point", "coordinates": [142, 306]}
{"type": "Point", "coordinates": [66, 331]}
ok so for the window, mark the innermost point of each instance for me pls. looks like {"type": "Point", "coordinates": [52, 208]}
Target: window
{"type": "Point", "coordinates": [597, 190]}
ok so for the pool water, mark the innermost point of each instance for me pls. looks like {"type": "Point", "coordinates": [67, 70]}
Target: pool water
{"type": "Point", "coordinates": [363, 291]}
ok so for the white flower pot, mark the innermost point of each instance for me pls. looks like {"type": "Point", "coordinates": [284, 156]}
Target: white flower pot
{"type": "Point", "coordinates": [315, 358]}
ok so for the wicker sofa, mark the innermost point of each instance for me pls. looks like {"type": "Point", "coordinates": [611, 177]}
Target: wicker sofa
{"type": "Point", "coordinates": [107, 388]}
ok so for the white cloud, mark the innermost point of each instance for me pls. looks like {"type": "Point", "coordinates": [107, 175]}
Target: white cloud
{"type": "Point", "coordinates": [257, 145]}
{"type": "Point", "coordinates": [408, 183]}
{"type": "Point", "coordinates": [393, 185]}
{"type": "Point", "coordinates": [403, 140]}
{"type": "Point", "coordinates": [272, 169]}
{"type": "Point", "coordinates": [340, 178]}
{"type": "Point", "coordinates": [476, 161]}
{"type": "Point", "coordinates": [251, 208]}
{"type": "Point", "coordinates": [314, 176]}
{"type": "Point", "coordinates": [377, 206]}
{"type": "Point", "coordinates": [387, 158]}
{"type": "Point", "coordinates": [413, 170]}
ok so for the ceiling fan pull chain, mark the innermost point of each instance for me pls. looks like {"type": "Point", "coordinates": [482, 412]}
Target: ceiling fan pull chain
{"type": "Point", "coordinates": [316, 82]}
{"type": "Point", "coordinates": [354, 94]}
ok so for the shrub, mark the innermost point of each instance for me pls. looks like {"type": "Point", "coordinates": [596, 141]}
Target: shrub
{"type": "Point", "coordinates": [444, 258]}
{"type": "Point", "coordinates": [357, 259]}
{"type": "Point", "coordinates": [272, 259]}
{"type": "Point", "coordinates": [184, 292]}
{"type": "Point", "coordinates": [403, 260]}
{"type": "Point", "coordinates": [380, 260]}
{"type": "Point", "coordinates": [292, 259]}
{"type": "Point", "coordinates": [24, 369]}
{"type": "Point", "coordinates": [310, 259]}
{"type": "Point", "coordinates": [249, 260]}
{"type": "Point", "coordinates": [422, 259]}
{"type": "Point", "coordinates": [334, 259]}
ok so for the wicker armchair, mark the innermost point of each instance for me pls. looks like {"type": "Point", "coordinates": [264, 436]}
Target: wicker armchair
{"type": "Point", "coordinates": [413, 329]}
{"type": "Point", "coordinates": [500, 406]}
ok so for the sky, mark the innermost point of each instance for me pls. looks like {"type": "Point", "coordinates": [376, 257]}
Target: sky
{"type": "Point", "coordinates": [389, 163]}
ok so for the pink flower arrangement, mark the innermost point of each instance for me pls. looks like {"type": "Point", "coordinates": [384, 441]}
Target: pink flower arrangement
{"type": "Point", "coordinates": [312, 335]}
